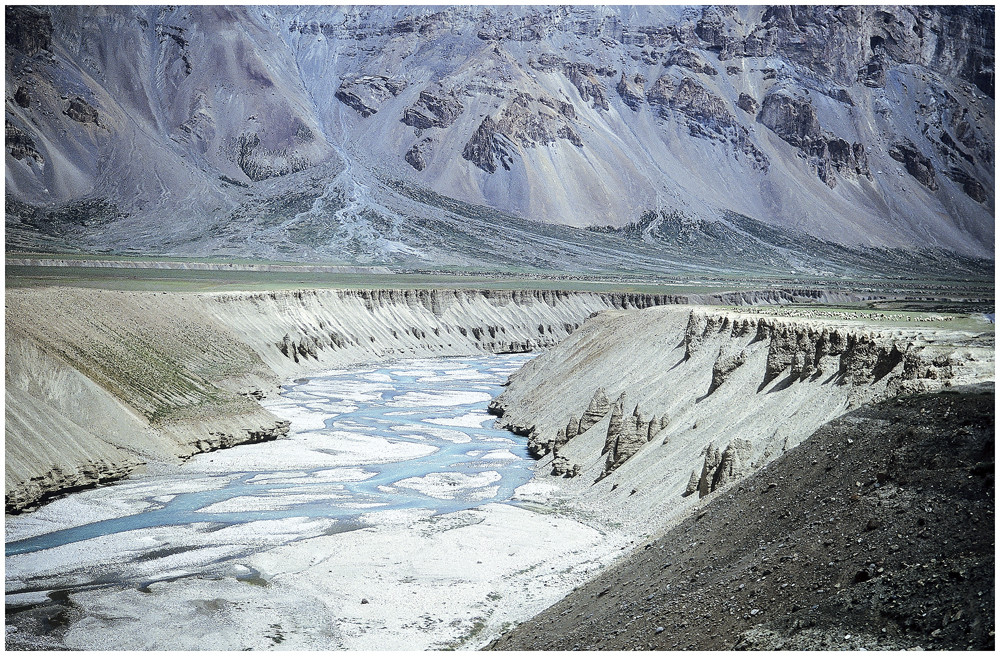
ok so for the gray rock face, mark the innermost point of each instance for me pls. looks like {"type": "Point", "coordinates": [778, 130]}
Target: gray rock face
{"type": "Point", "coordinates": [563, 467]}
{"type": "Point", "coordinates": [585, 78]}
{"type": "Point", "coordinates": [598, 407]}
{"type": "Point", "coordinates": [626, 435]}
{"type": "Point", "coordinates": [690, 60]}
{"type": "Point", "coordinates": [712, 459]}
{"type": "Point", "coordinates": [80, 111]}
{"type": "Point", "coordinates": [415, 155]}
{"type": "Point", "coordinates": [486, 147]}
{"type": "Point", "coordinates": [433, 110]}
{"type": "Point", "coordinates": [851, 357]}
{"type": "Point", "coordinates": [532, 122]}
{"type": "Point", "coordinates": [366, 93]}
{"type": "Point", "coordinates": [970, 185]}
{"type": "Point", "coordinates": [917, 165]}
{"type": "Point", "coordinates": [27, 30]}
{"type": "Point", "coordinates": [692, 485]}
{"type": "Point", "coordinates": [19, 144]}
{"type": "Point", "coordinates": [22, 97]}
{"type": "Point", "coordinates": [747, 103]}
{"type": "Point", "coordinates": [794, 119]}
{"type": "Point", "coordinates": [872, 74]}
{"type": "Point", "coordinates": [791, 118]}
{"type": "Point", "coordinates": [706, 116]}
{"type": "Point", "coordinates": [631, 91]}
{"type": "Point", "coordinates": [724, 367]}
{"type": "Point", "coordinates": [721, 467]}
{"type": "Point", "coordinates": [572, 428]}
{"type": "Point", "coordinates": [735, 462]}
{"type": "Point", "coordinates": [616, 424]}
{"type": "Point", "coordinates": [258, 163]}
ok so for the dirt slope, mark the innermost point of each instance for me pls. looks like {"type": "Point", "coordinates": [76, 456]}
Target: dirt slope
{"type": "Point", "coordinates": [876, 532]}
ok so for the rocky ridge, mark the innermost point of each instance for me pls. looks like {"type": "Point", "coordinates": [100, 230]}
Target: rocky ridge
{"type": "Point", "coordinates": [875, 533]}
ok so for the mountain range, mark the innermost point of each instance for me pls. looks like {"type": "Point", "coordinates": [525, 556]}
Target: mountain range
{"type": "Point", "coordinates": [664, 138]}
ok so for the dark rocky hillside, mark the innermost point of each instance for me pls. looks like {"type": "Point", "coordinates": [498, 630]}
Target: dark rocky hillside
{"type": "Point", "coordinates": [877, 532]}
{"type": "Point", "coordinates": [292, 132]}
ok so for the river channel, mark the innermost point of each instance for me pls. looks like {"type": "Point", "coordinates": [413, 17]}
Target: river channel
{"type": "Point", "coordinates": [388, 519]}
{"type": "Point", "coordinates": [365, 444]}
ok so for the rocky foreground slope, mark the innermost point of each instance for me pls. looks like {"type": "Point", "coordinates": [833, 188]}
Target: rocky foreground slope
{"type": "Point", "coordinates": [877, 532]}
{"type": "Point", "coordinates": [363, 133]}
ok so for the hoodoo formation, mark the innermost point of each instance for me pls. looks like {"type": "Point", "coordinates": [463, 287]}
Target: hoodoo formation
{"type": "Point", "coordinates": [568, 327]}
{"type": "Point", "coordinates": [705, 402]}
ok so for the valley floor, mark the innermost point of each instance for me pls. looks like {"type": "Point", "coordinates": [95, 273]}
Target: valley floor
{"type": "Point", "coordinates": [894, 490]}
{"type": "Point", "coordinates": [381, 522]}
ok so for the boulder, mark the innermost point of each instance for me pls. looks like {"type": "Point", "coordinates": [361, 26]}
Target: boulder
{"type": "Point", "coordinates": [79, 110]}
{"type": "Point", "coordinates": [415, 155]}
{"type": "Point", "coordinates": [747, 103]}
{"type": "Point", "coordinates": [433, 109]}
{"type": "Point", "coordinates": [366, 94]}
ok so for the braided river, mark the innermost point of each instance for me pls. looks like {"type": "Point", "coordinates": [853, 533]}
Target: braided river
{"type": "Point", "coordinates": [376, 457]}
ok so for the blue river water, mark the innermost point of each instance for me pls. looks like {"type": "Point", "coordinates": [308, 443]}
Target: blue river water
{"type": "Point", "coordinates": [430, 448]}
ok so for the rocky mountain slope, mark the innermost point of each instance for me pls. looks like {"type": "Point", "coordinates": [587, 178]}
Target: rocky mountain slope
{"type": "Point", "coordinates": [445, 135]}
{"type": "Point", "coordinates": [877, 532]}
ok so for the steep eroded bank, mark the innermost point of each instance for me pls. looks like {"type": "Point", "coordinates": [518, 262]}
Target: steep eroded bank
{"type": "Point", "coordinates": [99, 381]}
{"type": "Point", "coordinates": [639, 414]}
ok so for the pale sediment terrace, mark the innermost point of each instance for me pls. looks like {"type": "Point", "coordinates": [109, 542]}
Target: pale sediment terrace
{"type": "Point", "coordinates": [640, 415]}
{"type": "Point", "coordinates": [643, 414]}
{"type": "Point", "coordinates": [100, 381]}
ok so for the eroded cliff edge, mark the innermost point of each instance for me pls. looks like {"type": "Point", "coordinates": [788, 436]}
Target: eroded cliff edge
{"type": "Point", "coordinates": [640, 414]}
{"type": "Point", "coordinates": [98, 382]}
